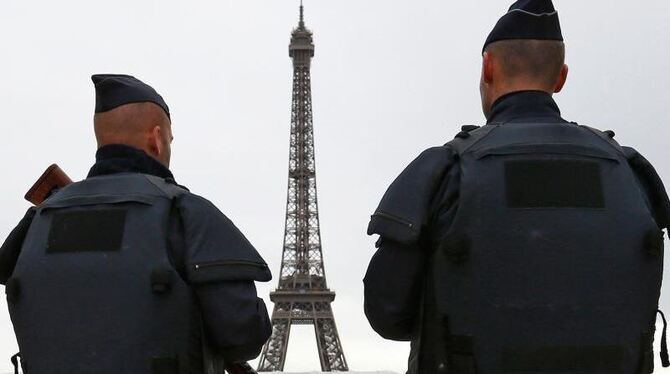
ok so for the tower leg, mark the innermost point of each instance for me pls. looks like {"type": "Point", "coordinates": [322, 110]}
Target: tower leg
{"type": "Point", "coordinates": [273, 356]}
{"type": "Point", "coordinates": [330, 348]}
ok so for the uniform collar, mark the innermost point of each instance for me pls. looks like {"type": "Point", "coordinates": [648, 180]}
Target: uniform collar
{"type": "Point", "coordinates": [524, 105]}
{"type": "Point", "coordinates": [120, 158]}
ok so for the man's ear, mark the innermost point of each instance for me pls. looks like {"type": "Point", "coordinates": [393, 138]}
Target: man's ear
{"type": "Point", "coordinates": [155, 145]}
{"type": "Point", "coordinates": [562, 77]}
{"type": "Point", "coordinates": [487, 68]}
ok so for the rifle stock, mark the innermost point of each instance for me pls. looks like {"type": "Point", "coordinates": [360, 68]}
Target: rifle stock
{"type": "Point", "coordinates": [52, 178]}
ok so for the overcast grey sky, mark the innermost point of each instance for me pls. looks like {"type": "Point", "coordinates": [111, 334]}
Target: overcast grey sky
{"type": "Point", "coordinates": [390, 78]}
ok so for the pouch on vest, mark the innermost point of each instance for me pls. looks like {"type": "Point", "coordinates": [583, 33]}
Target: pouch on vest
{"type": "Point", "coordinates": [216, 250]}
{"type": "Point", "coordinates": [406, 206]}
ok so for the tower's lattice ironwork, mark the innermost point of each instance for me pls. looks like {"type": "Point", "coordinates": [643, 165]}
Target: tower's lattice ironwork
{"type": "Point", "coordinates": [302, 296]}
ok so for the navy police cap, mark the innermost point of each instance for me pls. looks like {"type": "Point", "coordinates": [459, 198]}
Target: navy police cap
{"type": "Point", "coordinates": [114, 90]}
{"type": "Point", "coordinates": [528, 19]}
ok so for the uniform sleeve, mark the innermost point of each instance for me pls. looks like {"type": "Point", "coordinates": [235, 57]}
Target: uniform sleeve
{"type": "Point", "coordinates": [221, 266]}
{"type": "Point", "coordinates": [235, 321]}
{"type": "Point", "coordinates": [393, 285]}
{"type": "Point", "coordinates": [652, 187]}
{"type": "Point", "coordinates": [407, 206]}
{"type": "Point", "coordinates": [415, 207]}
{"type": "Point", "coordinates": [10, 250]}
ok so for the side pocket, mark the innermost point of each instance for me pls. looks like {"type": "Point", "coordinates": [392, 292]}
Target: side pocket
{"type": "Point", "coordinates": [229, 270]}
{"type": "Point", "coordinates": [393, 227]}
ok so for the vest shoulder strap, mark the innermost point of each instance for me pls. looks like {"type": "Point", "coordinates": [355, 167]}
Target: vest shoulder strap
{"type": "Point", "coordinates": [167, 186]}
{"type": "Point", "coordinates": [607, 136]}
{"type": "Point", "coordinates": [470, 136]}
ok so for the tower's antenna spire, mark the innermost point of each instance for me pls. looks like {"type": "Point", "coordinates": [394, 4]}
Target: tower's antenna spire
{"type": "Point", "coordinates": [302, 15]}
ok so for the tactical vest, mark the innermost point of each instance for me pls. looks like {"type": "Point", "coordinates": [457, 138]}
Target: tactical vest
{"type": "Point", "coordinates": [94, 290]}
{"type": "Point", "coordinates": [553, 262]}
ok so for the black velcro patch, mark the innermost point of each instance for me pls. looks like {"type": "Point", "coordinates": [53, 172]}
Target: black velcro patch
{"type": "Point", "coordinates": [554, 184]}
{"type": "Point", "coordinates": [87, 231]}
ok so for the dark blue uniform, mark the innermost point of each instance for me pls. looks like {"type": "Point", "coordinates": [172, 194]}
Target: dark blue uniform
{"type": "Point", "coordinates": [428, 248]}
{"type": "Point", "coordinates": [212, 258]}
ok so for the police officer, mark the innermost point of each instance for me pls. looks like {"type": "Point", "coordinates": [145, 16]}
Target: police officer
{"type": "Point", "coordinates": [127, 271]}
{"type": "Point", "coordinates": [529, 244]}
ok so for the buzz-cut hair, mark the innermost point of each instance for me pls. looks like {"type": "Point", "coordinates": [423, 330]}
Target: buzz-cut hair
{"type": "Point", "coordinates": [125, 124]}
{"type": "Point", "coordinates": [540, 60]}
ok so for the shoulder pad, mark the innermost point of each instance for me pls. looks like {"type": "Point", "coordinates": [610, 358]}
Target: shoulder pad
{"type": "Point", "coordinates": [11, 248]}
{"type": "Point", "coordinates": [216, 250]}
{"type": "Point", "coordinates": [405, 207]}
{"type": "Point", "coordinates": [651, 185]}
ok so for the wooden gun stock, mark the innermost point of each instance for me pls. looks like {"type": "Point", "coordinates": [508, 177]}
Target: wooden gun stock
{"type": "Point", "coordinates": [53, 178]}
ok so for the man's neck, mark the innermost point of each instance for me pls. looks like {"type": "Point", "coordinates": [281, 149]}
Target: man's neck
{"type": "Point", "coordinates": [121, 158]}
{"type": "Point", "coordinates": [518, 87]}
{"type": "Point", "coordinates": [523, 106]}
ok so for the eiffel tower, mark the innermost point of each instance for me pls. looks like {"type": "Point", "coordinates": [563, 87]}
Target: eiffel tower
{"type": "Point", "coordinates": [302, 297]}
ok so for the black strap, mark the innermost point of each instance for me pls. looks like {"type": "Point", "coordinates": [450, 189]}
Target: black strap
{"type": "Point", "coordinates": [462, 143]}
{"type": "Point", "coordinates": [605, 136]}
{"type": "Point", "coordinates": [167, 185]}
{"type": "Point", "coordinates": [15, 361]}
{"type": "Point", "coordinates": [665, 361]}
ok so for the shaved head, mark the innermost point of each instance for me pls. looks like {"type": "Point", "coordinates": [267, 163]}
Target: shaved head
{"type": "Point", "coordinates": [521, 65]}
{"type": "Point", "coordinates": [537, 60]}
{"type": "Point", "coordinates": [144, 125]}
